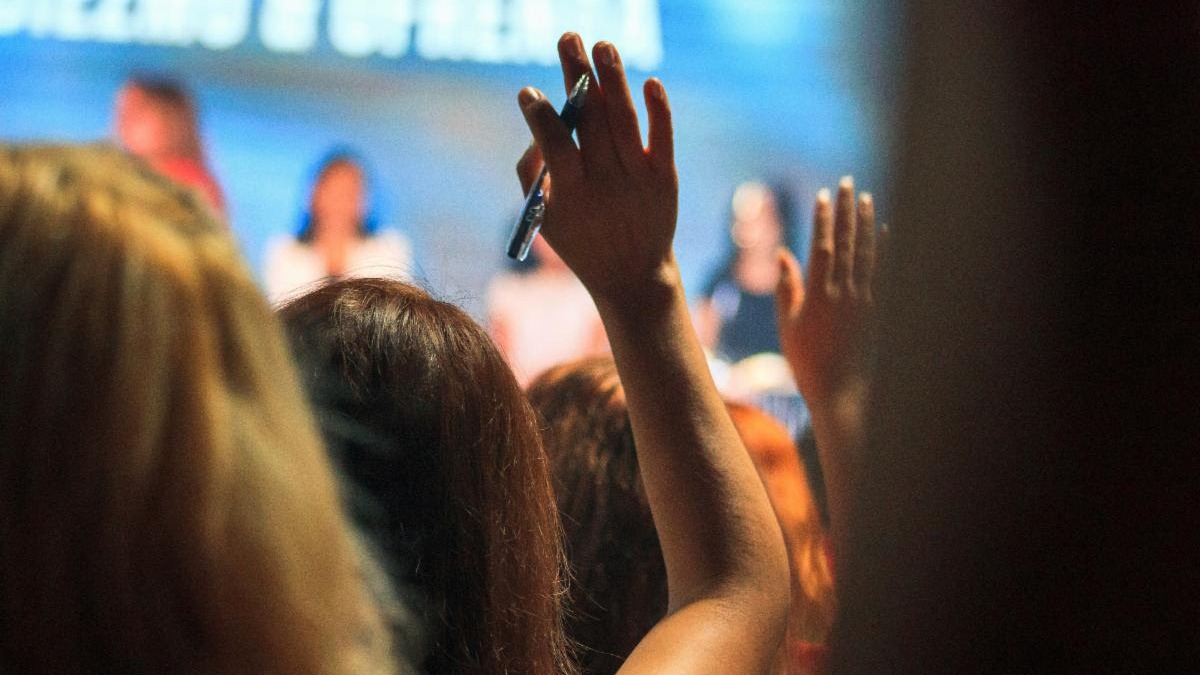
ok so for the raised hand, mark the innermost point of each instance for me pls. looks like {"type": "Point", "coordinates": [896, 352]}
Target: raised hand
{"type": "Point", "coordinates": [611, 205]}
{"type": "Point", "coordinates": [824, 322]}
{"type": "Point", "coordinates": [825, 329]}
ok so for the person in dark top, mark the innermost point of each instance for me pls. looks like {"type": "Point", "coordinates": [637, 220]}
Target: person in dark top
{"type": "Point", "coordinates": [736, 317]}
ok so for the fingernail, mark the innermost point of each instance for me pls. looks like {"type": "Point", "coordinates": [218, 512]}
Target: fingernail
{"type": "Point", "coordinates": [571, 40]}
{"type": "Point", "coordinates": [657, 90]}
{"type": "Point", "coordinates": [528, 95]}
{"type": "Point", "coordinates": [654, 85]}
{"type": "Point", "coordinates": [605, 54]}
{"type": "Point", "coordinates": [823, 195]}
{"type": "Point", "coordinates": [865, 199]}
{"type": "Point", "coordinates": [846, 183]}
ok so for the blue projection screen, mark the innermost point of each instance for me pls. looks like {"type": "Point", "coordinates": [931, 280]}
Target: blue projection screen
{"type": "Point", "coordinates": [425, 90]}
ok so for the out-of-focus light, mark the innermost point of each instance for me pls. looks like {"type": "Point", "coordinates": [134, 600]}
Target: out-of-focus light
{"type": "Point", "coordinates": [762, 23]}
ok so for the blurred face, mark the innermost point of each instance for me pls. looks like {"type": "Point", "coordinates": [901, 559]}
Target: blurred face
{"type": "Point", "coordinates": [141, 126]}
{"type": "Point", "coordinates": [339, 200]}
{"type": "Point", "coordinates": [756, 223]}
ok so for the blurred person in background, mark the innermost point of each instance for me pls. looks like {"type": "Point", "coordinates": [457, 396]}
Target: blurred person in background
{"type": "Point", "coordinates": [338, 234]}
{"type": "Point", "coordinates": [540, 315]}
{"type": "Point", "coordinates": [156, 119]}
{"type": "Point", "coordinates": [736, 315]}
{"type": "Point", "coordinates": [166, 505]}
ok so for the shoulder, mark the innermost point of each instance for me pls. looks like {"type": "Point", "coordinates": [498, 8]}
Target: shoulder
{"type": "Point", "coordinates": [284, 247]}
{"type": "Point", "coordinates": [388, 240]}
{"type": "Point", "coordinates": [504, 290]}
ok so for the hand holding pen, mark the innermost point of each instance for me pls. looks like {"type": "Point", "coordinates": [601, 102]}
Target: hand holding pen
{"type": "Point", "coordinates": [530, 220]}
{"type": "Point", "coordinates": [610, 204]}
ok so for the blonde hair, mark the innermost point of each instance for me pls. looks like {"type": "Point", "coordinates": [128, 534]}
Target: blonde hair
{"type": "Point", "coordinates": [165, 504]}
{"type": "Point", "coordinates": [778, 463]}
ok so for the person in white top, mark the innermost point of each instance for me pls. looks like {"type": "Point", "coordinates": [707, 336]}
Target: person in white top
{"type": "Point", "coordinates": [544, 317]}
{"type": "Point", "coordinates": [335, 240]}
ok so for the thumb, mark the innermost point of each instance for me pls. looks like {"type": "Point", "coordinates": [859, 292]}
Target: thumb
{"type": "Point", "coordinates": [789, 290]}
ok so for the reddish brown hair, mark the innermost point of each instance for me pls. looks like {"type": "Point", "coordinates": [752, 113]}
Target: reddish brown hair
{"type": "Point", "coordinates": [446, 443]}
{"type": "Point", "coordinates": [778, 462]}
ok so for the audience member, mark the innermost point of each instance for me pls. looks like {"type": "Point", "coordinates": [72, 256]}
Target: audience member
{"type": "Point", "coordinates": [436, 435]}
{"type": "Point", "coordinates": [1027, 500]}
{"type": "Point", "coordinates": [165, 502]}
{"type": "Point", "coordinates": [611, 213]}
{"type": "Point", "coordinates": [156, 120]}
{"type": "Point", "coordinates": [618, 587]}
{"type": "Point", "coordinates": [337, 235]}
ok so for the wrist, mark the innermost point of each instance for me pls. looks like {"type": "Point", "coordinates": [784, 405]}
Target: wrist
{"type": "Point", "coordinates": [642, 296]}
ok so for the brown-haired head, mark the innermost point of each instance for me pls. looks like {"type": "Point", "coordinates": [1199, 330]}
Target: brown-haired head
{"type": "Point", "coordinates": [165, 503]}
{"type": "Point", "coordinates": [440, 434]}
{"type": "Point", "coordinates": [619, 588]}
{"type": "Point", "coordinates": [778, 462]}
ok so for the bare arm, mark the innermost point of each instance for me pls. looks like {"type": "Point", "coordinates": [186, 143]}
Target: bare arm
{"type": "Point", "coordinates": [610, 214]}
{"type": "Point", "coordinates": [824, 329]}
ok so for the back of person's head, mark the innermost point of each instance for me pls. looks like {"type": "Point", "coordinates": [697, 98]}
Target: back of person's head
{"type": "Point", "coordinates": [619, 582]}
{"type": "Point", "coordinates": [429, 422]}
{"type": "Point", "coordinates": [165, 504]}
{"type": "Point", "coordinates": [156, 118]}
{"type": "Point", "coordinates": [778, 462]}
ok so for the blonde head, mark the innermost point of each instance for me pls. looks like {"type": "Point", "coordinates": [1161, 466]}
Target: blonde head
{"type": "Point", "coordinates": [165, 504]}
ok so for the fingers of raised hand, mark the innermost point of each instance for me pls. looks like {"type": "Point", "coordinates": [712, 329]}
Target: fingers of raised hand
{"type": "Point", "coordinates": [529, 166]}
{"type": "Point", "coordinates": [864, 247]}
{"type": "Point", "coordinates": [622, 117]}
{"type": "Point", "coordinates": [820, 256]}
{"type": "Point", "coordinates": [661, 134]}
{"type": "Point", "coordinates": [595, 136]}
{"type": "Point", "coordinates": [551, 137]}
{"type": "Point", "coordinates": [843, 256]}
{"type": "Point", "coordinates": [844, 234]}
{"type": "Point", "coordinates": [789, 292]}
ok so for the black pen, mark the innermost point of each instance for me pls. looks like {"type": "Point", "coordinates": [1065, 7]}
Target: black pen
{"type": "Point", "coordinates": [530, 222]}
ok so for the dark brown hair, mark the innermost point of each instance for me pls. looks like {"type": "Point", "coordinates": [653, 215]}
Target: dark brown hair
{"type": "Point", "coordinates": [432, 425]}
{"type": "Point", "coordinates": [619, 588]}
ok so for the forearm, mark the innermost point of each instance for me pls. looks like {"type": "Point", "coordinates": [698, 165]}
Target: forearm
{"type": "Point", "coordinates": [716, 526]}
{"type": "Point", "coordinates": [839, 428]}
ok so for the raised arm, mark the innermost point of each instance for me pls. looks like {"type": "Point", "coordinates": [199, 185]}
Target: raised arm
{"type": "Point", "coordinates": [610, 213]}
{"type": "Point", "coordinates": [824, 330]}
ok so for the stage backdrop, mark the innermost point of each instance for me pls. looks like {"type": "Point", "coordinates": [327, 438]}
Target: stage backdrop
{"type": "Point", "coordinates": [792, 90]}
